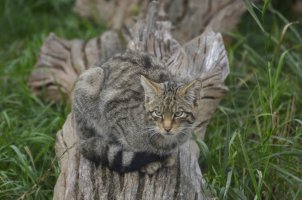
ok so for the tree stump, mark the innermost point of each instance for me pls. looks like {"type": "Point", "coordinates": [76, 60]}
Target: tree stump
{"type": "Point", "coordinates": [203, 57]}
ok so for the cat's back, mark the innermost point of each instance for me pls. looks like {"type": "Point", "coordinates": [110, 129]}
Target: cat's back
{"type": "Point", "coordinates": [122, 95]}
{"type": "Point", "coordinates": [124, 71]}
{"type": "Point", "coordinates": [122, 76]}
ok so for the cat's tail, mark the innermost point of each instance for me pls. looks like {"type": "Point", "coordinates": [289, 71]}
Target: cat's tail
{"type": "Point", "coordinates": [112, 154]}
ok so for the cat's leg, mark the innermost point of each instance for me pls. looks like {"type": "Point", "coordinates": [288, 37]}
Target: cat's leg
{"type": "Point", "coordinates": [169, 161]}
{"type": "Point", "coordinates": [153, 167]}
{"type": "Point", "coordinates": [95, 149]}
{"type": "Point", "coordinates": [110, 153]}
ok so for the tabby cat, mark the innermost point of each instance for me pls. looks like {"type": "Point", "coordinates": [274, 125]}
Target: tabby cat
{"type": "Point", "coordinates": [130, 115]}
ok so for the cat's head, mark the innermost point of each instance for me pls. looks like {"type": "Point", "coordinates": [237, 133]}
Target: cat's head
{"type": "Point", "coordinates": [171, 108]}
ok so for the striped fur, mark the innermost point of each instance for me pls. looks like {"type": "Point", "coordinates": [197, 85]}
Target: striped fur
{"type": "Point", "coordinates": [129, 112]}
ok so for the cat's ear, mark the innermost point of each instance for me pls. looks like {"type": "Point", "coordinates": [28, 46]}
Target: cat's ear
{"type": "Point", "coordinates": [190, 91]}
{"type": "Point", "coordinates": [151, 88]}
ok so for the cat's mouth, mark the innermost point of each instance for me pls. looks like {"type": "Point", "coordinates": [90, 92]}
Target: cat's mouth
{"type": "Point", "coordinates": [168, 134]}
{"type": "Point", "coordinates": [168, 140]}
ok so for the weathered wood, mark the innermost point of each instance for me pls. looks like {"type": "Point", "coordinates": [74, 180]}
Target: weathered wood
{"type": "Point", "coordinates": [189, 17]}
{"type": "Point", "coordinates": [203, 58]}
{"type": "Point", "coordinates": [61, 62]}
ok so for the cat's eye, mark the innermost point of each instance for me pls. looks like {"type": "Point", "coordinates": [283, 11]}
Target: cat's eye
{"type": "Point", "coordinates": [156, 113]}
{"type": "Point", "coordinates": [180, 114]}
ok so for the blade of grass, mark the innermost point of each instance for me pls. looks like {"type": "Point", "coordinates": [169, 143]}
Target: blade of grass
{"type": "Point", "coordinates": [249, 7]}
{"type": "Point", "coordinates": [249, 167]}
{"type": "Point", "coordinates": [228, 184]}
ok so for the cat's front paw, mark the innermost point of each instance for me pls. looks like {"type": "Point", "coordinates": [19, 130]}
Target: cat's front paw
{"type": "Point", "coordinates": [169, 162]}
{"type": "Point", "coordinates": [151, 168]}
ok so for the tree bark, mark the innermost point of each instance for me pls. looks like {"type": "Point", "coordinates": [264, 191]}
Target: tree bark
{"type": "Point", "coordinates": [203, 58]}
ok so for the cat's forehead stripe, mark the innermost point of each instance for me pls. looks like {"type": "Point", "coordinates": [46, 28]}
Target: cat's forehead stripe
{"type": "Point", "coordinates": [169, 96]}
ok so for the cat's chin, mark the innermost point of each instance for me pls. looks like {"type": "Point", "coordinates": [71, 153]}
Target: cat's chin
{"type": "Point", "coordinates": [168, 141]}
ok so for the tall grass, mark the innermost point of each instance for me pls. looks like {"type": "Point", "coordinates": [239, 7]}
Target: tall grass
{"type": "Point", "coordinates": [28, 125]}
{"type": "Point", "coordinates": [255, 139]}
{"type": "Point", "coordinates": [253, 146]}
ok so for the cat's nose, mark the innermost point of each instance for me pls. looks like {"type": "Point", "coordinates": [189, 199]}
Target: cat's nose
{"type": "Point", "coordinates": [167, 124]}
{"type": "Point", "coordinates": [168, 129]}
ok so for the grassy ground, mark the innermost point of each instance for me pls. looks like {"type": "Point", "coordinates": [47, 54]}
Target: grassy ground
{"type": "Point", "coordinates": [253, 147]}
{"type": "Point", "coordinates": [27, 124]}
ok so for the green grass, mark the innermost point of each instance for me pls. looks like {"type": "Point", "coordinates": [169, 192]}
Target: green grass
{"type": "Point", "coordinates": [255, 139]}
{"type": "Point", "coordinates": [27, 124]}
{"type": "Point", "coordinates": [253, 146]}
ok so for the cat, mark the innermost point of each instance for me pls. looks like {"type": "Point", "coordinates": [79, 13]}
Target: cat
{"type": "Point", "coordinates": [131, 115]}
